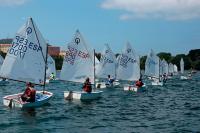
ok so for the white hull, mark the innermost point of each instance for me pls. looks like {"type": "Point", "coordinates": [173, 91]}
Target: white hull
{"type": "Point", "coordinates": [51, 81]}
{"type": "Point", "coordinates": [81, 95]}
{"type": "Point", "coordinates": [184, 78]}
{"type": "Point", "coordinates": [133, 88]}
{"type": "Point", "coordinates": [157, 83]}
{"type": "Point", "coordinates": [102, 85]}
{"type": "Point", "coordinates": [15, 100]}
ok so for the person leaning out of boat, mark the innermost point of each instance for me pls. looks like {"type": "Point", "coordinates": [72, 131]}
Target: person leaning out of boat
{"type": "Point", "coordinates": [139, 83]}
{"type": "Point", "coordinates": [87, 87]}
{"type": "Point", "coordinates": [29, 93]}
{"type": "Point", "coordinates": [110, 80]}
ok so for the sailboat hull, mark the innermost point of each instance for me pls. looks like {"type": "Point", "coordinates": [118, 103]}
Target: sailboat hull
{"type": "Point", "coordinates": [184, 78]}
{"type": "Point", "coordinates": [102, 85]}
{"type": "Point", "coordinates": [157, 83]}
{"type": "Point", "coordinates": [81, 95]}
{"type": "Point", "coordinates": [133, 88]}
{"type": "Point", "coordinates": [15, 100]}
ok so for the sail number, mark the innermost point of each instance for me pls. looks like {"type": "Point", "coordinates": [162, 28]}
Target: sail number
{"type": "Point", "coordinates": [125, 59]}
{"type": "Point", "coordinates": [72, 53]}
{"type": "Point", "coordinates": [106, 60]}
{"type": "Point", "coordinates": [20, 45]}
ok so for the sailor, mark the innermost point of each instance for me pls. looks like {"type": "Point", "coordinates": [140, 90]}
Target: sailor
{"type": "Point", "coordinates": [110, 80]}
{"type": "Point", "coordinates": [164, 77]}
{"type": "Point", "coordinates": [52, 76]}
{"type": "Point", "coordinates": [29, 93]}
{"type": "Point", "coordinates": [139, 83]}
{"type": "Point", "coordinates": [87, 87]}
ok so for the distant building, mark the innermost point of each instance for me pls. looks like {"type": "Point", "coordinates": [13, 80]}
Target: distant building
{"type": "Point", "coordinates": [4, 47]}
{"type": "Point", "coordinates": [62, 53]}
{"type": "Point", "coordinates": [52, 50]}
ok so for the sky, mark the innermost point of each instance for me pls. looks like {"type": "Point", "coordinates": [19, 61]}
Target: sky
{"type": "Point", "coordinates": [162, 25]}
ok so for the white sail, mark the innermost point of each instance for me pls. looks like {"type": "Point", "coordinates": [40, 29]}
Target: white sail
{"type": "Point", "coordinates": [107, 65]}
{"type": "Point", "coordinates": [162, 67]}
{"type": "Point", "coordinates": [175, 69]}
{"type": "Point", "coordinates": [182, 65]}
{"type": "Point", "coordinates": [165, 67]}
{"type": "Point", "coordinates": [171, 68]}
{"type": "Point", "coordinates": [152, 65]}
{"type": "Point", "coordinates": [1, 61]}
{"type": "Point", "coordinates": [78, 61]}
{"type": "Point", "coordinates": [51, 68]}
{"type": "Point", "coordinates": [128, 64]}
{"type": "Point", "coordinates": [25, 60]}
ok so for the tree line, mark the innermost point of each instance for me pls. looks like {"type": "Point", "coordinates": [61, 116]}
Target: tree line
{"type": "Point", "coordinates": [191, 60]}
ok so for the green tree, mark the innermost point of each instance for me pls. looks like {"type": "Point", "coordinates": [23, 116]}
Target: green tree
{"type": "Point", "coordinates": [166, 56]}
{"type": "Point", "coordinates": [142, 62]}
{"type": "Point", "coordinates": [58, 62]}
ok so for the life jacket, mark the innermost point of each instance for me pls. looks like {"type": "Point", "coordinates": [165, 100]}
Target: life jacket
{"type": "Point", "coordinates": [87, 87]}
{"type": "Point", "coordinates": [27, 92]}
{"type": "Point", "coordinates": [32, 96]}
{"type": "Point", "coordinates": [139, 83]}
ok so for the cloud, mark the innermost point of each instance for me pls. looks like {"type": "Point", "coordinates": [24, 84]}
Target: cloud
{"type": "Point", "coordinates": [12, 2]}
{"type": "Point", "coordinates": [155, 9]}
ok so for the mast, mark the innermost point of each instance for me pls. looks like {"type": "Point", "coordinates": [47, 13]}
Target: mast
{"type": "Point", "coordinates": [45, 58]}
{"type": "Point", "coordinates": [45, 68]}
{"type": "Point", "coordinates": [94, 72]}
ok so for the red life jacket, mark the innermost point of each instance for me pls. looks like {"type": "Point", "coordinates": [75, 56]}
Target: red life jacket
{"type": "Point", "coordinates": [27, 92]}
{"type": "Point", "coordinates": [87, 87]}
{"type": "Point", "coordinates": [139, 84]}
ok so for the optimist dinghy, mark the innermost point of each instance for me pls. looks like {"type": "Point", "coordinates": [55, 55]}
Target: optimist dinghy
{"type": "Point", "coordinates": [51, 70]}
{"type": "Point", "coordinates": [129, 67]}
{"type": "Point", "coordinates": [26, 62]}
{"type": "Point", "coordinates": [107, 66]}
{"type": "Point", "coordinates": [183, 77]}
{"type": "Point", "coordinates": [78, 64]}
{"type": "Point", "coordinates": [152, 68]}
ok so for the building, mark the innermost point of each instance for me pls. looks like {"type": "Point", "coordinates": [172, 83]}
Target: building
{"type": "Point", "coordinates": [4, 47]}
{"type": "Point", "coordinates": [62, 53]}
{"type": "Point", "coordinates": [52, 50]}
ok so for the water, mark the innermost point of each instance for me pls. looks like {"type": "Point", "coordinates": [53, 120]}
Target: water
{"type": "Point", "coordinates": [172, 108]}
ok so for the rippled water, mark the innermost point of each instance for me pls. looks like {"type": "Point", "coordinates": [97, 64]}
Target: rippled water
{"type": "Point", "coordinates": [172, 108]}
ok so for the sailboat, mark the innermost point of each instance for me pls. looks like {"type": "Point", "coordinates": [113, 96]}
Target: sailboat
{"type": "Point", "coordinates": [3, 81]}
{"type": "Point", "coordinates": [129, 67]}
{"type": "Point", "coordinates": [164, 67]}
{"type": "Point", "coordinates": [26, 62]}
{"type": "Point", "coordinates": [182, 70]}
{"type": "Point", "coordinates": [107, 66]}
{"type": "Point", "coordinates": [51, 69]}
{"type": "Point", "coordinates": [175, 70]}
{"type": "Point", "coordinates": [152, 68]}
{"type": "Point", "coordinates": [79, 64]}
{"type": "Point", "coordinates": [171, 69]}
